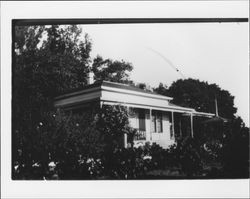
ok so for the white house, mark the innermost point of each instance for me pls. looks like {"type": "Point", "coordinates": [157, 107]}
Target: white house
{"type": "Point", "coordinates": [156, 119]}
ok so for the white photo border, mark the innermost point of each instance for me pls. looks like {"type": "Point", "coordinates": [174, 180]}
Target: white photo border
{"type": "Point", "coordinates": [103, 189]}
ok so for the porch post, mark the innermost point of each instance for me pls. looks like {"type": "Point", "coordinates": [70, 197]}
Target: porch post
{"type": "Point", "coordinates": [150, 118]}
{"type": "Point", "coordinates": [173, 123]}
{"type": "Point", "coordinates": [180, 128]}
{"type": "Point", "coordinates": [125, 140]}
{"type": "Point", "coordinates": [191, 120]}
{"type": "Point", "coordinates": [125, 135]}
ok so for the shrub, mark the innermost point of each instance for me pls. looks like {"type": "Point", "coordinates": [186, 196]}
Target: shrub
{"type": "Point", "coordinates": [188, 154]}
{"type": "Point", "coordinates": [211, 150]}
{"type": "Point", "coordinates": [235, 156]}
{"type": "Point", "coordinates": [159, 156]}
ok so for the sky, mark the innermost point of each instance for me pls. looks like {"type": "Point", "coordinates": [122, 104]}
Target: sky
{"type": "Point", "coordinates": [213, 52]}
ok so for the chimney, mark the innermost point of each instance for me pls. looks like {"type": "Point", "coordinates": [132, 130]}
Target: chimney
{"type": "Point", "coordinates": [90, 78]}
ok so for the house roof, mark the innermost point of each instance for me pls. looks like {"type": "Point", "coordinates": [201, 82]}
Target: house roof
{"type": "Point", "coordinates": [116, 93]}
{"type": "Point", "coordinates": [110, 84]}
{"type": "Point", "coordinates": [98, 84]}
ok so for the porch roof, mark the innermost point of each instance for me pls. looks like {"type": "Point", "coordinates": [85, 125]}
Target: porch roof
{"type": "Point", "coordinates": [170, 108]}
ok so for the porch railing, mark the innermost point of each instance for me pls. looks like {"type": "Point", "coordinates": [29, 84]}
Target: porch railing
{"type": "Point", "coordinates": [140, 135]}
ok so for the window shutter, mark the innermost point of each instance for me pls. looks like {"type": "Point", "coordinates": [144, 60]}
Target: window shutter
{"type": "Point", "coordinates": [142, 122]}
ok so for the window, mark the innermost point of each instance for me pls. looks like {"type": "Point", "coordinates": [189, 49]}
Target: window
{"type": "Point", "coordinates": [142, 122]}
{"type": "Point", "coordinates": [157, 122]}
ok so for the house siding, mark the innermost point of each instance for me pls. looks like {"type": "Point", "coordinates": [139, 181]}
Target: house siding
{"type": "Point", "coordinates": [127, 98]}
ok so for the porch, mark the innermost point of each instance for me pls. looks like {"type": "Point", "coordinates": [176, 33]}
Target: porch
{"type": "Point", "coordinates": [160, 127]}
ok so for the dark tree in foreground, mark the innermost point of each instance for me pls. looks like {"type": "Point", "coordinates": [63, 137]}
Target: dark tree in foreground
{"type": "Point", "coordinates": [227, 142]}
{"type": "Point", "coordinates": [236, 151]}
{"type": "Point", "coordinates": [48, 61]}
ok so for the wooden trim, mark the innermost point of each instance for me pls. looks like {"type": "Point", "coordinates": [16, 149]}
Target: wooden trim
{"type": "Point", "coordinates": [203, 114]}
{"type": "Point", "coordinates": [73, 94]}
{"type": "Point", "coordinates": [78, 104]}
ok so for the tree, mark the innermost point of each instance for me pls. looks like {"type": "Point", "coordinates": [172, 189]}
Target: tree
{"type": "Point", "coordinates": [109, 70]}
{"type": "Point", "coordinates": [162, 89]}
{"type": "Point", "coordinates": [113, 122]}
{"type": "Point", "coordinates": [200, 96]}
{"type": "Point", "coordinates": [48, 61]}
{"type": "Point", "coordinates": [231, 137]}
{"type": "Point", "coordinates": [235, 153]}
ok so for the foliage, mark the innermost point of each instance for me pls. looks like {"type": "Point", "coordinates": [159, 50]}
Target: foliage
{"type": "Point", "coordinates": [113, 122]}
{"type": "Point", "coordinates": [47, 60]}
{"type": "Point", "coordinates": [80, 145]}
{"type": "Point", "coordinates": [50, 60]}
{"type": "Point", "coordinates": [133, 163]}
{"type": "Point", "coordinates": [55, 58]}
{"type": "Point", "coordinates": [235, 153]}
{"type": "Point", "coordinates": [200, 96]}
{"type": "Point", "coordinates": [63, 139]}
{"type": "Point", "coordinates": [224, 143]}
{"type": "Point", "coordinates": [159, 156]}
{"type": "Point", "coordinates": [162, 89]}
{"type": "Point", "coordinates": [212, 150]}
{"type": "Point", "coordinates": [189, 156]}
{"type": "Point", "coordinates": [109, 70]}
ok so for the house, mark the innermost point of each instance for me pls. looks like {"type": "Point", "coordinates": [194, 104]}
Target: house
{"type": "Point", "coordinates": [156, 119]}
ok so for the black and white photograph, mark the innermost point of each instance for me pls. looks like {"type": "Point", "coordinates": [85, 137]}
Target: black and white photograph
{"type": "Point", "coordinates": [141, 98]}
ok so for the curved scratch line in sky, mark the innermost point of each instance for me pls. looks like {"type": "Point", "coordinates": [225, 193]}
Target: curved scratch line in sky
{"type": "Point", "coordinates": [168, 61]}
